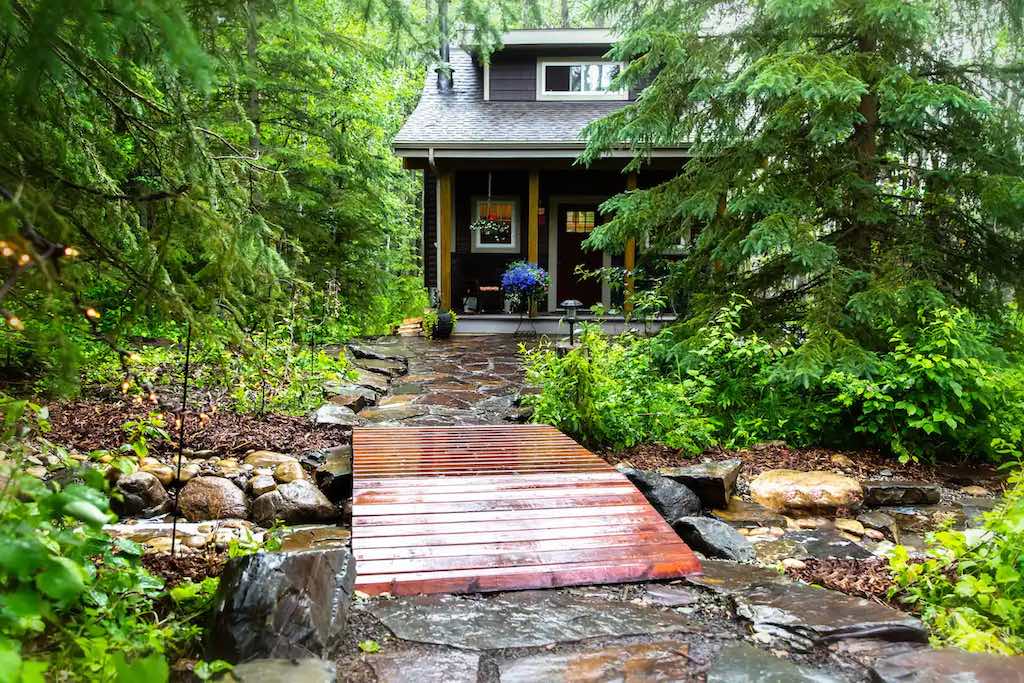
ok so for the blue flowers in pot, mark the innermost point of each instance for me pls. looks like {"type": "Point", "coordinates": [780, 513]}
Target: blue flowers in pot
{"type": "Point", "coordinates": [525, 284]}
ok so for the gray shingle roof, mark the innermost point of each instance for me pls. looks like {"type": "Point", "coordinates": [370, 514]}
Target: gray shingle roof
{"type": "Point", "coordinates": [463, 116]}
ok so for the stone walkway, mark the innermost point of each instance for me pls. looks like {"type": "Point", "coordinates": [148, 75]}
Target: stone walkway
{"type": "Point", "coordinates": [738, 622]}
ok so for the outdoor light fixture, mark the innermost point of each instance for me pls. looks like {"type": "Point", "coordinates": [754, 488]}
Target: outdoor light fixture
{"type": "Point", "coordinates": [570, 306]}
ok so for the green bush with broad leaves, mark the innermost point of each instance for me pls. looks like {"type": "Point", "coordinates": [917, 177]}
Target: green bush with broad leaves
{"type": "Point", "coordinates": [970, 587]}
{"type": "Point", "coordinates": [605, 393]}
{"type": "Point", "coordinates": [941, 384]}
{"type": "Point", "coordinates": [75, 603]}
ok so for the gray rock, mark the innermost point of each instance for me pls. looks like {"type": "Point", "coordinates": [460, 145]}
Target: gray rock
{"type": "Point", "coordinates": [742, 663]}
{"type": "Point", "coordinates": [143, 496]}
{"type": "Point", "coordinates": [212, 498]}
{"type": "Point", "coordinates": [296, 502]}
{"type": "Point", "coordinates": [330, 414]}
{"type": "Point", "coordinates": [284, 671]}
{"type": "Point", "coordinates": [431, 666]}
{"type": "Point", "coordinates": [940, 666]}
{"type": "Point", "coordinates": [893, 492]}
{"type": "Point", "coordinates": [740, 513]}
{"type": "Point", "coordinates": [334, 476]}
{"type": "Point", "coordinates": [521, 619]}
{"type": "Point", "coordinates": [388, 368]}
{"type": "Point", "coordinates": [314, 537]}
{"type": "Point", "coordinates": [282, 605]}
{"type": "Point", "coordinates": [336, 388]}
{"type": "Point", "coordinates": [713, 482]}
{"type": "Point", "coordinates": [801, 615]}
{"type": "Point", "coordinates": [671, 499]}
{"type": "Point", "coordinates": [371, 353]}
{"type": "Point", "coordinates": [714, 538]}
{"type": "Point", "coordinates": [668, 595]}
{"type": "Point", "coordinates": [370, 380]}
{"type": "Point", "coordinates": [825, 543]}
{"type": "Point", "coordinates": [662, 660]}
{"type": "Point", "coordinates": [874, 519]}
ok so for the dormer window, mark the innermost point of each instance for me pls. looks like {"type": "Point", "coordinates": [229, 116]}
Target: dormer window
{"type": "Point", "coordinates": [578, 79]}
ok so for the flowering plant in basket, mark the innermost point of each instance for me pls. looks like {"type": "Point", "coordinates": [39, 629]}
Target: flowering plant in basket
{"type": "Point", "coordinates": [525, 283]}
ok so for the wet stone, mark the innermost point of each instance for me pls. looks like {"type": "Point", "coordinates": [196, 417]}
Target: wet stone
{"type": "Point", "coordinates": [800, 614]}
{"type": "Point", "coordinates": [771, 552]}
{"type": "Point", "coordinates": [713, 538]}
{"type": "Point", "coordinates": [742, 663]}
{"type": "Point", "coordinates": [890, 492]}
{"type": "Point", "coordinates": [713, 482]}
{"type": "Point", "coordinates": [336, 388]}
{"type": "Point", "coordinates": [434, 666]}
{"type": "Point", "coordinates": [370, 380]}
{"type": "Point", "coordinates": [874, 519]}
{"type": "Point", "coordinates": [315, 537]}
{"type": "Point", "coordinates": [460, 400]}
{"type": "Point", "coordinates": [925, 518]}
{"type": "Point", "coordinates": [670, 595]}
{"type": "Point", "coordinates": [388, 368]}
{"type": "Point", "coordinates": [671, 499]}
{"type": "Point", "coordinates": [742, 514]}
{"type": "Point", "coordinates": [392, 412]}
{"type": "Point", "coordinates": [334, 476]}
{"type": "Point", "coordinates": [296, 502]}
{"type": "Point", "coordinates": [309, 670]}
{"type": "Point", "coordinates": [406, 389]}
{"type": "Point", "coordinates": [374, 352]}
{"type": "Point", "coordinates": [662, 660]}
{"type": "Point", "coordinates": [212, 498]}
{"type": "Point", "coordinates": [826, 543]}
{"type": "Point", "coordinates": [351, 400]}
{"type": "Point", "coordinates": [521, 619]}
{"type": "Point", "coordinates": [331, 414]}
{"type": "Point", "coordinates": [143, 496]}
{"type": "Point", "coordinates": [935, 666]}
{"type": "Point", "coordinates": [292, 604]}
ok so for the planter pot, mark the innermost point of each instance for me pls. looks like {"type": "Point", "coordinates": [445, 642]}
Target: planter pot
{"type": "Point", "coordinates": [445, 326]}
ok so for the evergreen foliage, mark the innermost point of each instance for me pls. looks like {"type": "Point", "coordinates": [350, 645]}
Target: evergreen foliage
{"type": "Point", "coordinates": [848, 156]}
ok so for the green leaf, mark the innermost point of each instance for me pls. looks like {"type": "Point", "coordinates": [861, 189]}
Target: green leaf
{"type": "Point", "coordinates": [369, 646]}
{"type": "Point", "coordinates": [63, 580]}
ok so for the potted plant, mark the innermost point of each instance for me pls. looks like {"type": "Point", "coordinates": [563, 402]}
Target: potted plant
{"type": "Point", "coordinates": [525, 284]}
{"type": "Point", "coordinates": [439, 324]}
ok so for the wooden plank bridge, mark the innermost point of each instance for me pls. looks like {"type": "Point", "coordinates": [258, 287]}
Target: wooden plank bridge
{"type": "Point", "coordinates": [503, 507]}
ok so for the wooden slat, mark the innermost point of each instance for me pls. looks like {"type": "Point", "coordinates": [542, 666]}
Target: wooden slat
{"type": "Point", "coordinates": [498, 507]}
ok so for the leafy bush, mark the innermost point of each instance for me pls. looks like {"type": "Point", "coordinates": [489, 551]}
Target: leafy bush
{"type": "Point", "coordinates": [429, 323]}
{"type": "Point", "coordinates": [604, 393]}
{"type": "Point", "coordinates": [941, 385]}
{"type": "Point", "coordinates": [75, 603]}
{"type": "Point", "coordinates": [970, 588]}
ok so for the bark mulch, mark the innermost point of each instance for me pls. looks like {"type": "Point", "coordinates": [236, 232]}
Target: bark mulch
{"type": "Point", "coordinates": [88, 425]}
{"type": "Point", "coordinates": [770, 456]}
{"type": "Point", "coordinates": [870, 578]}
{"type": "Point", "coordinates": [185, 566]}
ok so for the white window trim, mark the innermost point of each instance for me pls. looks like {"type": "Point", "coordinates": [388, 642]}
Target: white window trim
{"type": "Point", "coordinates": [477, 247]}
{"type": "Point", "coordinates": [543, 94]}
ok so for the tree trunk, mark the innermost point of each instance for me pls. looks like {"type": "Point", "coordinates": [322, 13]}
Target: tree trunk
{"type": "Point", "coordinates": [565, 13]}
{"type": "Point", "coordinates": [865, 145]}
{"type": "Point", "coordinates": [253, 108]}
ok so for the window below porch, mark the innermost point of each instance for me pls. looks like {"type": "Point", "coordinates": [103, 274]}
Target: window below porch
{"type": "Point", "coordinates": [495, 225]}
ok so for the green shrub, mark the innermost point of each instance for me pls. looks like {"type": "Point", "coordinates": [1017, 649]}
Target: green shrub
{"type": "Point", "coordinates": [605, 393]}
{"type": "Point", "coordinates": [75, 604]}
{"type": "Point", "coordinates": [970, 588]}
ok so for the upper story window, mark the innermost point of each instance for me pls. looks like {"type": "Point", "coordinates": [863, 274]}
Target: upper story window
{"type": "Point", "coordinates": [577, 79]}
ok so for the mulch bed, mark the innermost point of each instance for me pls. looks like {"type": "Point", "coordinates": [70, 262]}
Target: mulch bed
{"type": "Point", "coordinates": [88, 425]}
{"type": "Point", "coordinates": [870, 578]}
{"type": "Point", "coordinates": [185, 566]}
{"type": "Point", "coordinates": [770, 456]}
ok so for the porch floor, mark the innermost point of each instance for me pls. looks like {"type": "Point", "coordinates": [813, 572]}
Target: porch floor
{"type": "Point", "coordinates": [553, 324]}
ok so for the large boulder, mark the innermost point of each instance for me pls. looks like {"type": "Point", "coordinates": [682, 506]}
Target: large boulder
{"type": "Point", "coordinates": [330, 414]}
{"type": "Point", "coordinates": [671, 499]}
{"type": "Point", "coordinates": [289, 605]}
{"type": "Point", "coordinates": [142, 496]}
{"type": "Point", "coordinates": [296, 502]}
{"type": "Point", "coordinates": [795, 491]}
{"type": "Point", "coordinates": [714, 538]}
{"type": "Point", "coordinates": [212, 498]}
{"type": "Point", "coordinates": [713, 482]}
{"type": "Point", "coordinates": [334, 475]}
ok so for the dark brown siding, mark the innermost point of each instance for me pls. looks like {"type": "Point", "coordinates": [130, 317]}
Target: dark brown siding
{"type": "Point", "coordinates": [429, 229]}
{"type": "Point", "coordinates": [514, 78]}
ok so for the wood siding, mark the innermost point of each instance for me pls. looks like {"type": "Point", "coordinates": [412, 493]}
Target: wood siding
{"type": "Point", "coordinates": [429, 229]}
{"type": "Point", "coordinates": [514, 78]}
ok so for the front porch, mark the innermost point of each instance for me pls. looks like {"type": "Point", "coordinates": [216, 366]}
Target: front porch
{"type": "Point", "coordinates": [540, 211]}
{"type": "Point", "coordinates": [551, 324]}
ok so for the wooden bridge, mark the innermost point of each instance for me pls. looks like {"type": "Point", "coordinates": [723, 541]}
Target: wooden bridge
{"type": "Point", "coordinates": [468, 509]}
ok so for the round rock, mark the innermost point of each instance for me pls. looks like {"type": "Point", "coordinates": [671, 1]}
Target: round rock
{"type": "Point", "coordinates": [792, 490]}
{"type": "Point", "coordinates": [212, 498]}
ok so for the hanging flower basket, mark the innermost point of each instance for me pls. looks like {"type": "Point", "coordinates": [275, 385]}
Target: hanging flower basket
{"type": "Point", "coordinates": [490, 228]}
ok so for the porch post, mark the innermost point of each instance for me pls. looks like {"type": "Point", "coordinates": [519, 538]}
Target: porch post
{"type": "Point", "coordinates": [446, 180]}
{"type": "Point", "coordinates": [629, 258]}
{"type": "Point", "coordinates": [532, 248]}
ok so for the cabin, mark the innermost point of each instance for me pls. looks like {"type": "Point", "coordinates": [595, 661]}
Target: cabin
{"type": "Point", "coordinates": [499, 141]}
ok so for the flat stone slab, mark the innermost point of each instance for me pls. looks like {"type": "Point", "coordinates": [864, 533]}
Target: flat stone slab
{"type": "Point", "coordinates": [878, 493]}
{"type": "Point", "coordinates": [521, 619]}
{"type": "Point", "coordinates": [662, 660]}
{"type": "Point", "coordinates": [434, 666]}
{"type": "Point", "coordinates": [388, 368]}
{"type": "Point", "coordinates": [940, 666]}
{"type": "Point", "coordinates": [740, 513]}
{"type": "Point", "coordinates": [392, 412]}
{"type": "Point", "coordinates": [331, 414]}
{"type": "Point", "coordinates": [801, 614]}
{"type": "Point", "coordinates": [284, 671]}
{"type": "Point", "coordinates": [744, 663]}
{"type": "Point", "coordinates": [370, 380]}
{"type": "Point", "coordinates": [823, 544]}
{"type": "Point", "coordinates": [713, 482]}
{"type": "Point", "coordinates": [671, 595]}
{"type": "Point", "coordinates": [315, 537]}
{"type": "Point", "coordinates": [374, 352]}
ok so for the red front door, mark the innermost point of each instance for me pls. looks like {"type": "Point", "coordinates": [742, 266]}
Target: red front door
{"type": "Point", "coordinates": [575, 223]}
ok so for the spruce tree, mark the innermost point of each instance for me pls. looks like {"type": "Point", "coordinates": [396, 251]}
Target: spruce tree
{"type": "Point", "coordinates": [849, 157]}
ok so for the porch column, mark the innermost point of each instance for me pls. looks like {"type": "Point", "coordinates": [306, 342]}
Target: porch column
{"type": "Point", "coordinates": [629, 258]}
{"type": "Point", "coordinates": [446, 185]}
{"type": "Point", "coordinates": [532, 247]}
